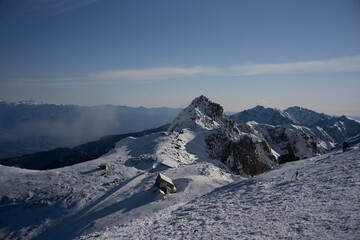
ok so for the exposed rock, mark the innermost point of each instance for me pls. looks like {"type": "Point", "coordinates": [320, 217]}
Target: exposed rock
{"type": "Point", "coordinates": [297, 133]}
{"type": "Point", "coordinates": [245, 153]}
{"type": "Point", "coordinates": [292, 142]}
{"type": "Point", "coordinates": [246, 159]}
{"type": "Point", "coordinates": [201, 113]}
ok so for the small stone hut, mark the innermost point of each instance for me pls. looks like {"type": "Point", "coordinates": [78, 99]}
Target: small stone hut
{"type": "Point", "coordinates": [165, 184]}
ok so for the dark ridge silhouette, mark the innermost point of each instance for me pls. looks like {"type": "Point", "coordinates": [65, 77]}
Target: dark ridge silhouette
{"type": "Point", "coordinates": [62, 157]}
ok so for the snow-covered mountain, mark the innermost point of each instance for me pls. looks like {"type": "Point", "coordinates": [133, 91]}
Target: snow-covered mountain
{"type": "Point", "coordinates": [244, 153]}
{"type": "Point", "coordinates": [306, 117]}
{"type": "Point", "coordinates": [202, 153]}
{"type": "Point", "coordinates": [61, 203]}
{"type": "Point", "coordinates": [297, 133]}
{"type": "Point", "coordinates": [261, 114]}
{"type": "Point", "coordinates": [291, 142]}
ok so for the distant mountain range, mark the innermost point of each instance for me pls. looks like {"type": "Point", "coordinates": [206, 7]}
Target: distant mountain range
{"type": "Point", "coordinates": [269, 135]}
{"type": "Point", "coordinates": [248, 142]}
{"type": "Point", "coordinates": [29, 127]}
{"type": "Point", "coordinates": [199, 153]}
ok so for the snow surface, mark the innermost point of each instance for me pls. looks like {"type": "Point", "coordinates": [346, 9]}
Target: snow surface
{"type": "Point", "coordinates": [75, 200]}
{"type": "Point", "coordinates": [86, 203]}
{"type": "Point", "coordinates": [323, 202]}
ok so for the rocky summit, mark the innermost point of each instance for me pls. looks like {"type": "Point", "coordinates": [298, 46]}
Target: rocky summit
{"type": "Point", "coordinates": [244, 153]}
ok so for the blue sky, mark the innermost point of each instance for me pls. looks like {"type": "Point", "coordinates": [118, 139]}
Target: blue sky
{"type": "Point", "coordinates": [165, 53]}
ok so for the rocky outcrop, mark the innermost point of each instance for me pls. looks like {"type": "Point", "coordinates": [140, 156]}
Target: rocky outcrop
{"type": "Point", "coordinates": [200, 114]}
{"type": "Point", "coordinates": [246, 157]}
{"type": "Point", "coordinates": [292, 142]}
{"type": "Point", "coordinates": [297, 133]}
{"type": "Point", "coordinates": [244, 153]}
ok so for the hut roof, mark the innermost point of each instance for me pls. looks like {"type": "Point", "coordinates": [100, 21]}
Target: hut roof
{"type": "Point", "coordinates": [169, 163]}
{"type": "Point", "coordinates": [165, 178]}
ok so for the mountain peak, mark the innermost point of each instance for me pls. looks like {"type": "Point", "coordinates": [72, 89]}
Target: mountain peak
{"type": "Point", "coordinates": [305, 116]}
{"type": "Point", "coordinates": [201, 112]}
{"type": "Point", "coordinates": [259, 107]}
{"type": "Point", "coordinates": [211, 109]}
{"type": "Point", "coordinates": [200, 99]}
{"type": "Point", "coordinates": [261, 114]}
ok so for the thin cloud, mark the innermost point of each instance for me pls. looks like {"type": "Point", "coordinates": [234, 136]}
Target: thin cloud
{"type": "Point", "coordinates": [341, 64]}
{"type": "Point", "coordinates": [19, 10]}
{"type": "Point", "coordinates": [150, 74]}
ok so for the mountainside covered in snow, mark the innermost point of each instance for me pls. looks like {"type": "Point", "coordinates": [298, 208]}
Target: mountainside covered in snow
{"type": "Point", "coordinates": [244, 153]}
{"type": "Point", "coordinates": [297, 133]}
{"type": "Point", "coordinates": [209, 159]}
{"type": "Point", "coordinates": [28, 126]}
{"type": "Point", "coordinates": [322, 202]}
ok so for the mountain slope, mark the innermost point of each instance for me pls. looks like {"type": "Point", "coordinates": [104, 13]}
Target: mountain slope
{"type": "Point", "coordinates": [82, 198]}
{"type": "Point", "coordinates": [297, 133]}
{"type": "Point", "coordinates": [306, 117]}
{"type": "Point", "coordinates": [322, 203]}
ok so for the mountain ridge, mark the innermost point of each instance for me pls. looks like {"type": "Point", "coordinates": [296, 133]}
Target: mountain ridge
{"type": "Point", "coordinates": [286, 140]}
{"type": "Point", "coordinates": [201, 152]}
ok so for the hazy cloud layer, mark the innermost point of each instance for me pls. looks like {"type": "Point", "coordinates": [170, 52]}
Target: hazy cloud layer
{"type": "Point", "coordinates": [341, 64]}
{"type": "Point", "coordinates": [31, 128]}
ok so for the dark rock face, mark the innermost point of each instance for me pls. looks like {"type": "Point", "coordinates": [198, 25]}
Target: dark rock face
{"type": "Point", "coordinates": [246, 159]}
{"type": "Point", "coordinates": [211, 109]}
{"type": "Point", "coordinates": [278, 134]}
{"type": "Point", "coordinates": [219, 146]}
{"type": "Point", "coordinates": [241, 156]}
{"type": "Point", "coordinates": [289, 157]}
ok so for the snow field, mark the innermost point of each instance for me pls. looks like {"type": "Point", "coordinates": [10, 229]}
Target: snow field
{"type": "Point", "coordinates": [322, 203]}
{"type": "Point", "coordinates": [80, 199]}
